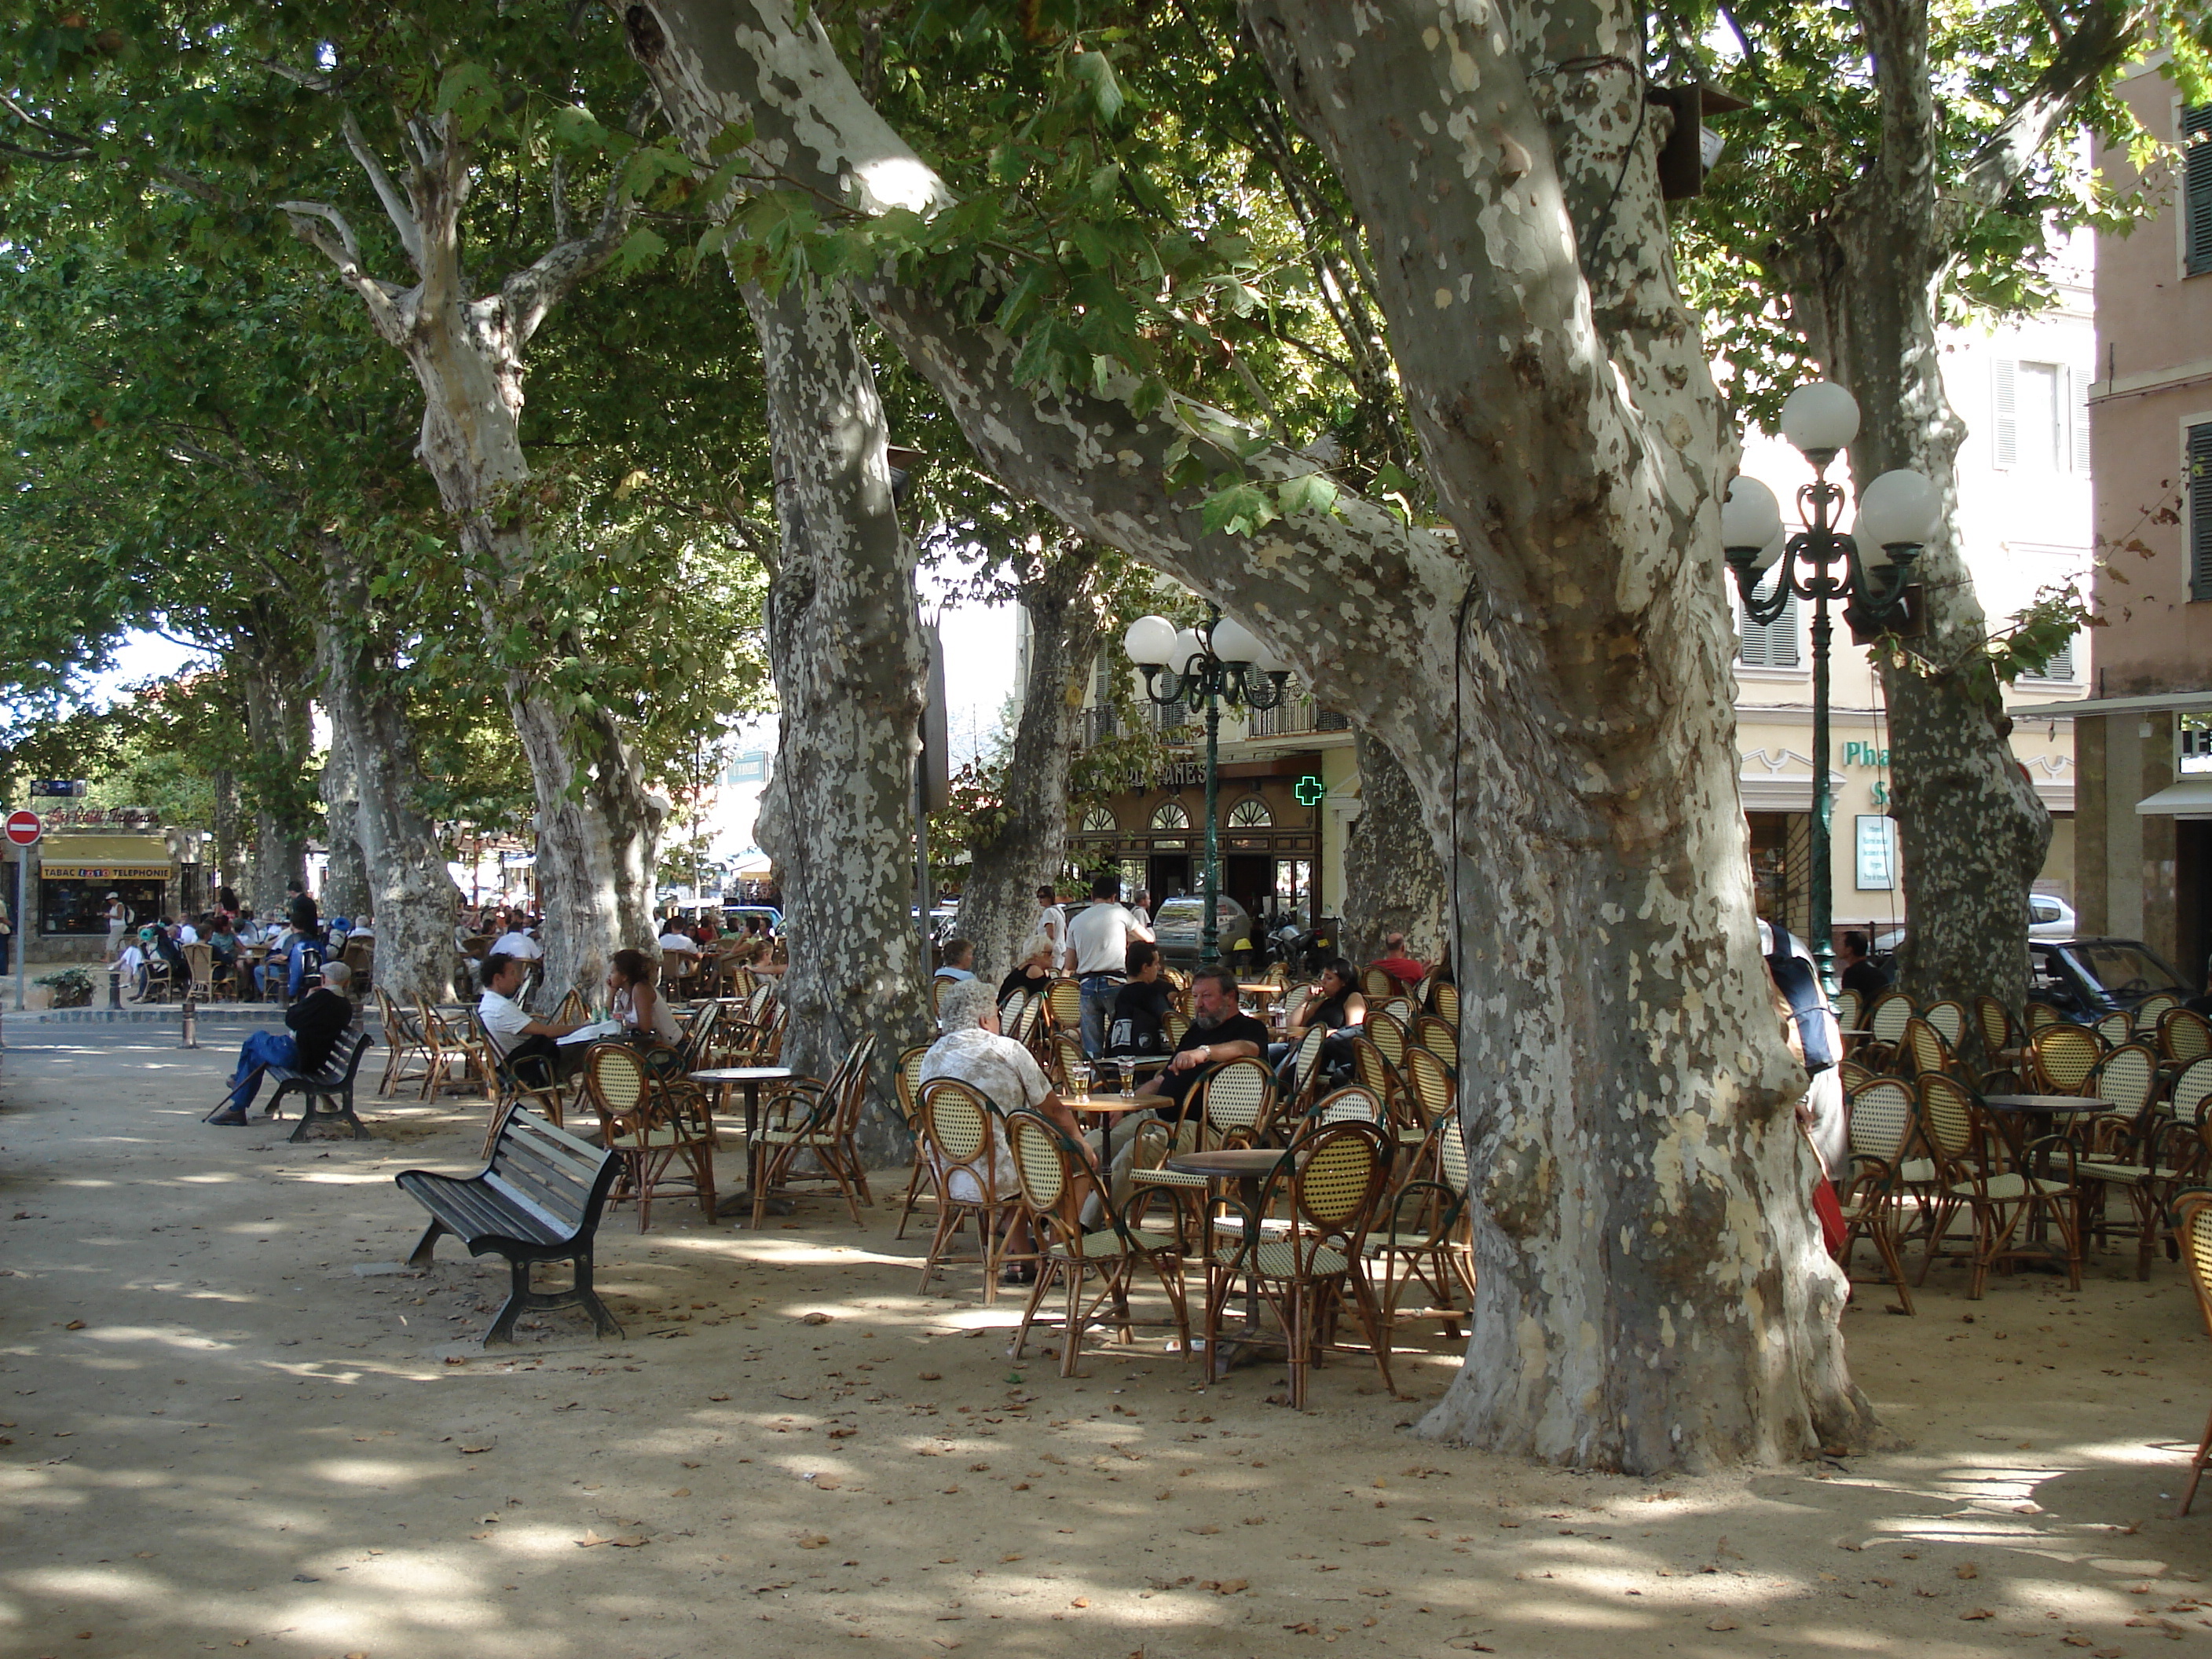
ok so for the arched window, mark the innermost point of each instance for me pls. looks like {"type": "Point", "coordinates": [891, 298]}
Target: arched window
{"type": "Point", "coordinates": [1251, 813]}
{"type": "Point", "coordinates": [1170, 815]}
{"type": "Point", "coordinates": [1098, 820]}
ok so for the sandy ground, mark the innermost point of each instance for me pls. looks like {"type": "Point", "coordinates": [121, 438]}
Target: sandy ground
{"type": "Point", "coordinates": [225, 1425]}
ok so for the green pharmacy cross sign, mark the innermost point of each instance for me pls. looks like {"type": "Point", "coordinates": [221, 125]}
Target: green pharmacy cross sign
{"type": "Point", "coordinates": [1309, 790]}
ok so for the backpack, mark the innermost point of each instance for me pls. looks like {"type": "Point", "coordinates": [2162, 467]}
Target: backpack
{"type": "Point", "coordinates": [1795, 978]}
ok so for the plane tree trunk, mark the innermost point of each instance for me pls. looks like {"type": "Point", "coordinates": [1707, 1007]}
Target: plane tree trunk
{"type": "Point", "coordinates": [1393, 883]}
{"type": "Point", "coordinates": [278, 678]}
{"type": "Point", "coordinates": [599, 828]}
{"type": "Point", "coordinates": [845, 646]}
{"type": "Point", "coordinates": [1023, 844]}
{"type": "Point", "coordinates": [1652, 1291]}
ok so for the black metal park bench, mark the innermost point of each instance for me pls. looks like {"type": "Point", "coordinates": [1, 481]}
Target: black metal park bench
{"type": "Point", "coordinates": [325, 1097]}
{"type": "Point", "coordinates": [537, 1199]}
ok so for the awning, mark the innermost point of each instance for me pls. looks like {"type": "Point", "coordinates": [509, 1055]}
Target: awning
{"type": "Point", "coordinates": [2190, 799]}
{"type": "Point", "coordinates": [104, 858]}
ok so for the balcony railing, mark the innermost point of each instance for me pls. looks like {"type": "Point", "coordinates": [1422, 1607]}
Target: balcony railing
{"type": "Point", "coordinates": [1297, 715]}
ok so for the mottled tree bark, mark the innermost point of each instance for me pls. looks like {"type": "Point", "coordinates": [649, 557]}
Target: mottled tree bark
{"type": "Point", "coordinates": [1025, 842]}
{"type": "Point", "coordinates": [1651, 1288]}
{"type": "Point", "coordinates": [1392, 881]}
{"type": "Point", "coordinates": [278, 681]}
{"type": "Point", "coordinates": [410, 892]}
{"type": "Point", "coordinates": [345, 878]}
{"type": "Point", "coordinates": [598, 829]}
{"type": "Point", "coordinates": [229, 844]}
{"type": "Point", "coordinates": [844, 639]}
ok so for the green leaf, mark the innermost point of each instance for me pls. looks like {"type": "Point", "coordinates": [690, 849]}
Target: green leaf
{"type": "Point", "coordinates": [465, 92]}
{"type": "Point", "coordinates": [639, 249]}
{"type": "Point", "coordinates": [1097, 77]}
{"type": "Point", "coordinates": [1239, 510]}
{"type": "Point", "coordinates": [1315, 491]}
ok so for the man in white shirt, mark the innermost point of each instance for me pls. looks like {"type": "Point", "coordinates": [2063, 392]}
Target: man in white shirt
{"type": "Point", "coordinates": [531, 1046]}
{"type": "Point", "coordinates": [1099, 941]}
{"type": "Point", "coordinates": [186, 933]}
{"type": "Point", "coordinates": [516, 944]}
{"type": "Point", "coordinates": [363, 929]}
{"type": "Point", "coordinates": [1052, 922]}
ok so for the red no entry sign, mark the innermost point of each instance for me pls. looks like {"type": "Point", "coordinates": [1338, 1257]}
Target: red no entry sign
{"type": "Point", "coordinates": [24, 828]}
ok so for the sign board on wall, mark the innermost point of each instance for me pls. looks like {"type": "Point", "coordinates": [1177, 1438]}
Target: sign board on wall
{"type": "Point", "coordinates": [1877, 852]}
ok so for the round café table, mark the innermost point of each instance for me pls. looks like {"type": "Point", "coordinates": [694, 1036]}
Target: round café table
{"type": "Point", "coordinates": [748, 1078]}
{"type": "Point", "coordinates": [2016, 1113]}
{"type": "Point", "coordinates": [1105, 1109]}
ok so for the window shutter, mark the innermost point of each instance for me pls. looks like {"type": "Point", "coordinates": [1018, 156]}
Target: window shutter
{"type": "Point", "coordinates": [2200, 512]}
{"type": "Point", "coordinates": [2082, 377]}
{"type": "Point", "coordinates": [1769, 645]}
{"type": "Point", "coordinates": [2004, 372]}
{"type": "Point", "coordinates": [2060, 667]}
{"type": "Point", "coordinates": [2196, 189]}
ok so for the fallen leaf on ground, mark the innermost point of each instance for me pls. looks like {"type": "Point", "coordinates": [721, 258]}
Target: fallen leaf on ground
{"type": "Point", "coordinates": [1721, 1623]}
{"type": "Point", "coordinates": [1967, 1569]}
{"type": "Point", "coordinates": [815, 1319]}
{"type": "Point", "coordinates": [813, 1540]}
{"type": "Point", "coordinates": [1977, 1612]}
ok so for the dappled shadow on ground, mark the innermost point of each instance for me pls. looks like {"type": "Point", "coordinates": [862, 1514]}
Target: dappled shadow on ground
{"type": "Point", "coordinates": [231, 1423]}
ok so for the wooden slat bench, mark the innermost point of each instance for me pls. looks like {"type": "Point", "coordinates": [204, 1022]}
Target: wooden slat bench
{"type": "Point", "coordinates": [537, 1199]}
{"type": "Point", "coordinates": [334, 1083]}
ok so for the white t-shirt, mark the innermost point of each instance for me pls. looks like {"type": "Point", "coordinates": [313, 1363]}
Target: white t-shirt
{"type": "Point", "coordinates": [1100, 937]}
{"type": "Point", "coordinates": [507, 1020]}
{"type": "Point", "coordinates": [1052, 921]}
{"type": "Point", "coordinates": [187, 934]}
{"type": "Point", "coordinates": [518, 945]}
{"type": "Point", "coordinates": [362, 930]}
{"type": "Point", "coordinates": [675, 941]}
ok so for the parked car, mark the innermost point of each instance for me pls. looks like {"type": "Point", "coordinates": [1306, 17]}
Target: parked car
{"type": "Point", "coordinates": [1179, 922]}
{"type": "Point", "coordinates": [2048, 917]}
{"type": "Point", "coordinates": [2085, 979]}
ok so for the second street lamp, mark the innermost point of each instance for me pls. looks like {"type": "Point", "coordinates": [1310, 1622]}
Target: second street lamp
{"type": "Point", "coordinates": [1869, 573]}
{"type": "Point", "coordinates": [1203, 668]}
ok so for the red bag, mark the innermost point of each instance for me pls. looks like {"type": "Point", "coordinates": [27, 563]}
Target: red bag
{"type": "Point", "coordinates": [1830, 1209]}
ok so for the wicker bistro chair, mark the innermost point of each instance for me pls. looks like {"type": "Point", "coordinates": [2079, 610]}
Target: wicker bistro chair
{"type": "Point", "coordinates": [1050, 1171]}
{"type": "Point", "coordinates": [2061, 1056]}
{"type": "Point", "coordinates": [906, 1081]}
{"type": "Point", "coordinates": [1885, 1017]}
{"type": "Point", "coordinates": [1949, 1017]}
{"type": "Point", "coordinates": [1350, 1104]}
{"type": "Point", "coordinates": [1923, 1047]}
{"type": "Point", "coordinates": [1429, 1239]}
{"type": "Point", "coordinates": [1430, 1087]}
{"type": "Point", "coordinates": [822, 1117]}
{"type": "Point", "coordinates": [1064, 1002]}
{"type": "Point", "coordinates": [1235, 1103]}
{"type": "Point", "coordinates": [665, 1140]}
{"type": "Point", "coordinates": [2133, 1148]}
{"type": "Point", "coordinates": [1307, 1072]}
{"type": "Point", "coordinates": [1327, 1188]}
{"type": "Point", "coordinates": [2000, 1031]}
{"type": "Point", "coordinates": [1388, 1032]}
{"type": "Point", "coordinates": [1849, 1006]}
{"type": "Point", "coordinates": [1375, 985]}
{"type": "Point", "coordinates": [2116, 1027]}
{"type": "Point", "coordinates": [1443, 1000]}
{"type": "Point", "coordinates": [445, 1054]}
{"type": "Point", "coordinates": [1439, 1038]}
{"type": "Point", "coordinates": [962, 1133]}
{"type": "Point", "coordinates": [2004, 1195]}
{"type": "Point", "coordinates": [1873, 1194]}
{"type": "Point", "coordinates": [402, 1041]}
{"type": "Point", "coordinates": [2147, 1014]}
{"type": "Point", "coordinates": [2190, 1088]}
{"type": "Point", "coordinates": [2183, 1035]}
{"type": "Point", "coordinates": [2192, 1229]}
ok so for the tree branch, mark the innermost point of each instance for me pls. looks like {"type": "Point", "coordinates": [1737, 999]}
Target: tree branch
{"type": "Point", "coordinates": [342, 248]}
{"type": "Point", "coordinates": [2112, 33]}
{"type": "Point", "coordinates": [395, 208]}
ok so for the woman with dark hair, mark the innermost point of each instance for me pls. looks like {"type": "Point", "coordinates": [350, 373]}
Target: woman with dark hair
{"type": "Point", "coordinates": [635, 1000]}
{"type": "Point", "coordinates": [1335, 1005]}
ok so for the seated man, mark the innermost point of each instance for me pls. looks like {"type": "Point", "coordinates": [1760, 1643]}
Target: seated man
{"type": "Point", "coordinates": [531, 1046]}
{"type": "Point", "coordinates": [1141, 1007]}
{"type": "Point", "coordinates": [318, 1020]}
{"type": "Point", "coordinates": [364, 926]}
{"type": "Point", "coordinates": [1219, 1031]}
{"type": "Point", "coordinates": [131, 962]}
{"type": "Point", "coordinates": [972, 1051]}
{"type": "Point", "coordinates": [1394, 961]}
{"type": "Point", "coordinates": [1861, 974]}
{"type": "Point", "coordinates": [956, 960]}
{"type": "Point", "coordinates": [516, 944]}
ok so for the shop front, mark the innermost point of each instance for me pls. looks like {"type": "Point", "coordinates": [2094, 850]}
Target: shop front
{"type": "Point", "coordinates": [75, 874]}
{"type": "Point", "coordinates": [1154, 834]}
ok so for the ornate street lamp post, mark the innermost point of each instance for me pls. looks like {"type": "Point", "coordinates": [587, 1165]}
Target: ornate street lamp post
{"type": "Point", "coordinates": [1222, 662]}
{"type": "Point", "coordinates": [1869, 571]}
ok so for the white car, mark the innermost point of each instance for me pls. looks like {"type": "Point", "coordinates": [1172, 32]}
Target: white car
{"type": "Point", "coordinates": [2048, 917]}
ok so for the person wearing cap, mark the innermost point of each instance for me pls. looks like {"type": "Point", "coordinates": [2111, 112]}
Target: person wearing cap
{"type": "Point", "coordinates": [119, 923]}
{"type": "Point", "coordinates": [318, 1020]}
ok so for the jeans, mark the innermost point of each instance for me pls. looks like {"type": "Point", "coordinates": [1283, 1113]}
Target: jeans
{"type": "Point", "coordinates": [1098, 995]}
{"type": "Point", "coordinates": [262, 1050]}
